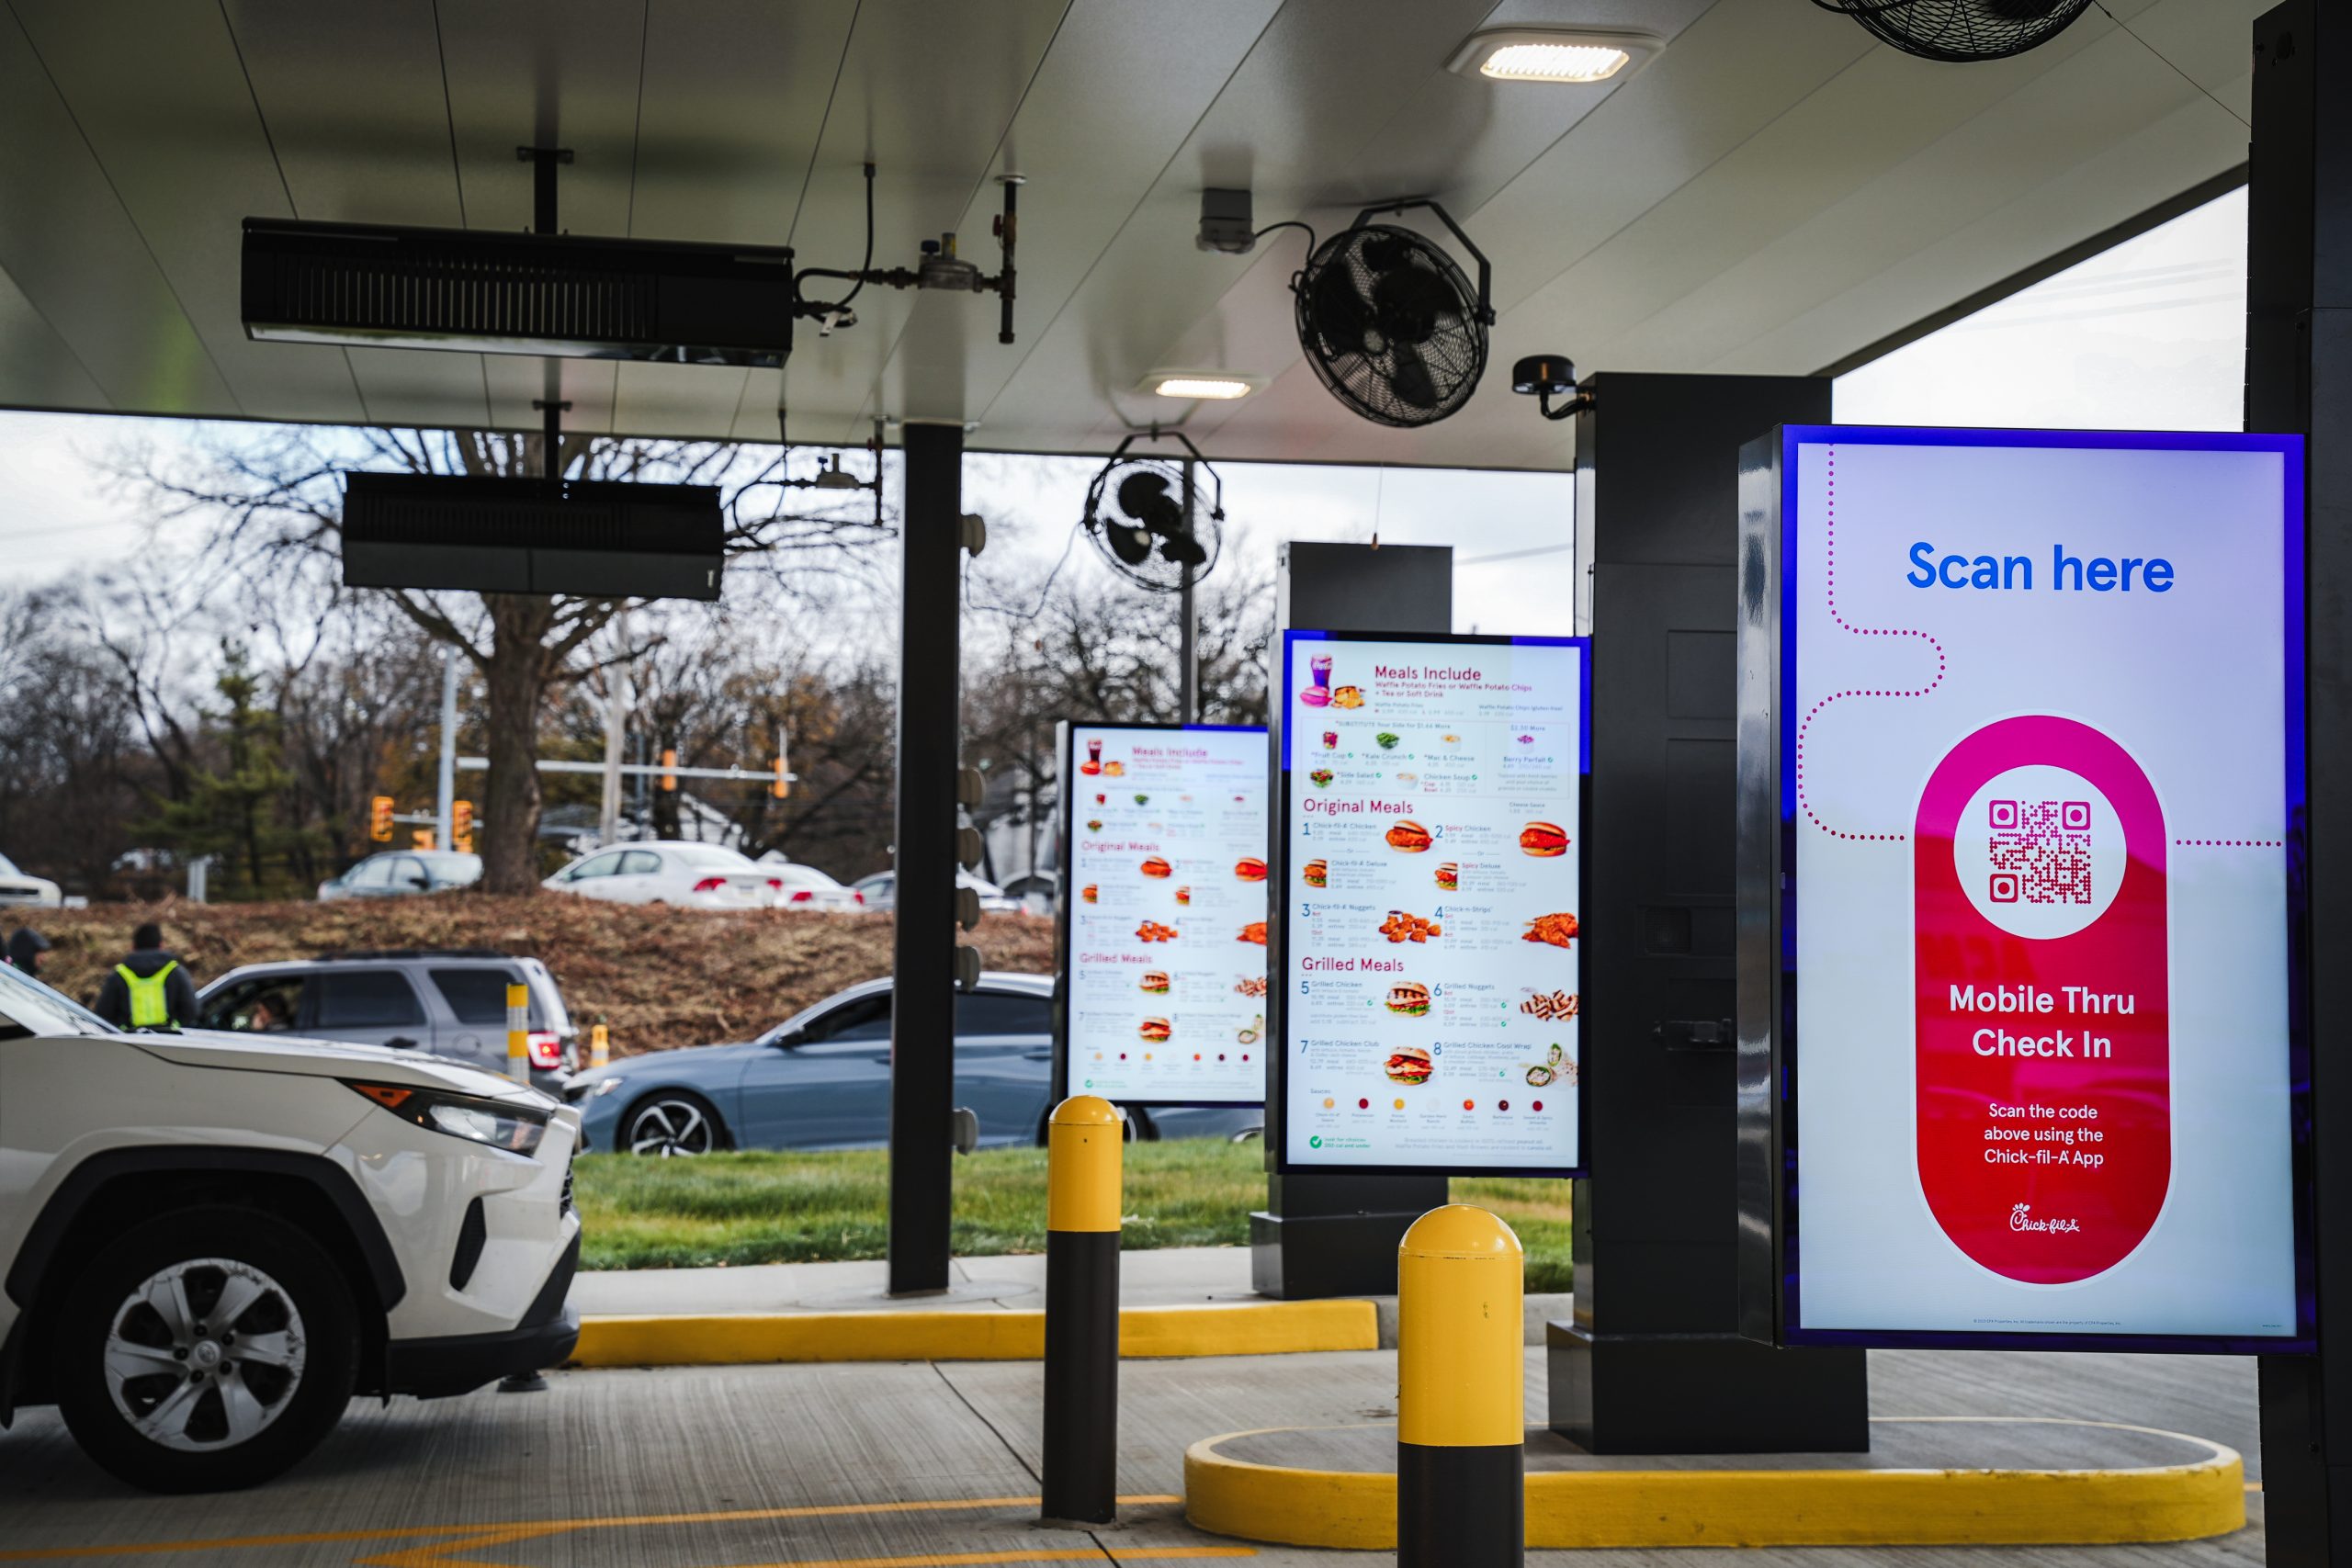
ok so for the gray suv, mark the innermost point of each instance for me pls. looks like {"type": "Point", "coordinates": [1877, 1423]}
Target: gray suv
{"type": "Point", "coordinates": [439, 1002]}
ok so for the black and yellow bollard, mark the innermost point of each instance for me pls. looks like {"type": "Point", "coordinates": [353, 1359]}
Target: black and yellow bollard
{"type": "Point", "coordinates": [1082, 1154]}
{"type": "Point", "coordinates": [1460, 1405]}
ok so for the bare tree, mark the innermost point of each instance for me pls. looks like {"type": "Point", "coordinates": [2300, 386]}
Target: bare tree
{"type": "Point", "coordinates": [272, 496]}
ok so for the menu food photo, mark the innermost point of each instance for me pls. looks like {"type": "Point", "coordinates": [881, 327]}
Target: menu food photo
{"type": "Point", "coordinates": [1431, 820]}
{"type": "Point", "coordinates": [1164, 947]}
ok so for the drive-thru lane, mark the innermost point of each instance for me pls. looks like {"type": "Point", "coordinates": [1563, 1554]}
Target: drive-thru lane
{"type": "Point", "coordinates": [901, 1465]}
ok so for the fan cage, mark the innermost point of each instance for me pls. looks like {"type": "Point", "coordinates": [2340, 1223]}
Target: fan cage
{"type": "Point", "coordinates": [1363, 375]}
{"type": "Point", "coordinates": [1155, 574]}
{"type": "Point", "coordinates": [1962, 31]}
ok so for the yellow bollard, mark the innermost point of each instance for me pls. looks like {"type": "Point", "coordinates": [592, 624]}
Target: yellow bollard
{"type": "Point", "coordinates": [1460, 1405]}
{"type": "Point", "coordinates": [518, 1027]}
{"type": "Point", "coordinates": [1083, 1150]}
{"type": "Point", "coordinates": [600, 1048]}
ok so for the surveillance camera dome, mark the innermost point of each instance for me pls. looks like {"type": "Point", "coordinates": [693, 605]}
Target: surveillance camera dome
{"type": "Point", "coordinates": [1547, 374]}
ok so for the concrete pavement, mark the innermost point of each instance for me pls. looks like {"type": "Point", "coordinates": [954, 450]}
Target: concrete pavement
{"type": "Point", "coordinates": [914, 1466]}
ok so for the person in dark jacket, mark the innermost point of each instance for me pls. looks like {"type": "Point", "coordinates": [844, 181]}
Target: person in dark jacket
{"type": "Point", "coordinates": [25, 949]}
{"type": "Point", "coordinates": [149, 989]}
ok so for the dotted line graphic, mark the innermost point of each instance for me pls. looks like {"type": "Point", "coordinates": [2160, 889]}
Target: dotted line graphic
{"type": "Point", "coordinates": [2231, 844]}
{"type": "Point", "coordinates": [1941, 669]}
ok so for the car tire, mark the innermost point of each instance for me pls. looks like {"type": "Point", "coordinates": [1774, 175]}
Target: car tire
{"type": "Point", "coordinates": [217, 1412]}
{"type": "Point", "coordinates": [671, 1124]}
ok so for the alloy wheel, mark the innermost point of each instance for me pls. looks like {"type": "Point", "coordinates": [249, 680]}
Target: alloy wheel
{"type": "Point", "coordinates": [205, 1354]}
{"type": "Point", "coordinates": [671, 1127]}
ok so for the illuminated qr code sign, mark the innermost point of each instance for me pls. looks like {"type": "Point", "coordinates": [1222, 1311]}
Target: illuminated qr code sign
{"type": "Point", "coordinates": [2041, 852]}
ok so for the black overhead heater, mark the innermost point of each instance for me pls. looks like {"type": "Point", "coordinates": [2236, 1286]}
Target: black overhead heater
{"type": "Point", "coordinates": [565, 295]}
{"type": "Point", "coordinates": [592, 538]}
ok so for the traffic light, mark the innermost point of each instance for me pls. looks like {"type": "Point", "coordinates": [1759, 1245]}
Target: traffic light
{"type": "Point", "coordinates": [783, 786]}
{"type": "Point", "coordinates": [668, 766]}
{"type": "Point", "coordinates": [462, 826]}
{"type": "Point", "coordinates": [379, 819]}
{"type": "Point", "coordinates": [421, 838]}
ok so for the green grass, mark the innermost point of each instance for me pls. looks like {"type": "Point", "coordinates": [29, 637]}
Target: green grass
{"type": "Point", "coordinates": [733, 1209]}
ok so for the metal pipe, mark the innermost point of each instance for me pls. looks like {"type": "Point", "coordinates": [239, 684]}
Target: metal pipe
{"type": "Point", "coordinates": [1008, 232]}
{"type": "Point", "coordinates": [641, 770]}
{"type": "Point", "coordinates": [1188, 686]}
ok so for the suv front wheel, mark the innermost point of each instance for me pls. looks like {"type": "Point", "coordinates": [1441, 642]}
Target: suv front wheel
{"type": "Point", "coordinates": [205, 1351]}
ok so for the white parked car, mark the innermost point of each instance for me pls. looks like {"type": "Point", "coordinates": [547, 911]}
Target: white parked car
{"type": "Point", "coordinates": [880, 891]}
{"type": "Point", "coordinates": [17, 888]}
{"type": "Point", "coordinates": [806, 887]}
{"type": "Point", "coordinates": [211, 1242]}
{"type": "Point", "coordinates": [661, 871]}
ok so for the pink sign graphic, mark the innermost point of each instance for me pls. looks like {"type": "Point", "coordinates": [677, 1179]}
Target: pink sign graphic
{"type": "Point", "coordinates": [2044, 1081]}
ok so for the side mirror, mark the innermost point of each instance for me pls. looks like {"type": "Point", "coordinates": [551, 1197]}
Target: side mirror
{"type": "Point", "coordinates": [786, 1041]}
{"type": "Point", "coordinates": [420, 882]}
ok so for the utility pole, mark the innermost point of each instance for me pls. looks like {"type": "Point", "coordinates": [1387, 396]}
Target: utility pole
{"type": "Point", "coordinates": [446, 812]}
{"type": "Point", "coordinates": [617, 706]}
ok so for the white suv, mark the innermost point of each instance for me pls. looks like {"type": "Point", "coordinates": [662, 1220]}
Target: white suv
{"type": "Point", "coordinates": [210, 1242]}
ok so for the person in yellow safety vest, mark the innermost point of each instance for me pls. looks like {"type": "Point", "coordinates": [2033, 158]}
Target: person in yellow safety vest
{"type": "Point", "coordinates": [149, 989]}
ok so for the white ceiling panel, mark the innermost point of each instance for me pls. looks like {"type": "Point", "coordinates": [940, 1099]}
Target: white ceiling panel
{"type": "Point", "coordinates": [1771, 193]}
{"type": "Point", "coordinates": [158, 92]}
{"type": "Point", "coordinates": [38, 368]}
{"type": "Point", "coordinates": [1974, 170]}
{"type": "Point", "coordinates": [72, 250]}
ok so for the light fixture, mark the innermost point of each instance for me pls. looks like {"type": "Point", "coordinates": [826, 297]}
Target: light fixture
{"type": "Point", "coordinates": [1552, 54]}
{"type": "Point", "coordinates": [1215, 385]}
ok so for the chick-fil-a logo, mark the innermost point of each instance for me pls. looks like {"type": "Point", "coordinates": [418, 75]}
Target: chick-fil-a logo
{"type": "Point", "coordinates": [2063, 1108]}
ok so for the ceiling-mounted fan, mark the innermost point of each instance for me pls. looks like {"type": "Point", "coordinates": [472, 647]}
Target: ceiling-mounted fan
{"type": "Point", "coordinates": [1961, 31]}
{"type": "Point", "coordinates": [1389, 321]}
{"type": "Point", "coordinates": [1138, 516]}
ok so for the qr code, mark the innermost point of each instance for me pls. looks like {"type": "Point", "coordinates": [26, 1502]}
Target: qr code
{"type": "Point", "coordinates": [2042, 852]}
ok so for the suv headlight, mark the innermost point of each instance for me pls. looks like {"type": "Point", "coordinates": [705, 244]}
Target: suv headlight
{"type": "Point", "coordinates": [498, 1124]}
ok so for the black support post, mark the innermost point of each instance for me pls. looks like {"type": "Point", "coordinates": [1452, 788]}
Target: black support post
{"type": "Point", "coordinates": [1326, 1234]}
{"type": "Point", "coordinates": [1653, 1361]}
{"type": "Point", "coordinates": [923, 1019]}
{"type": "Point", "coordinates": [2298, 378]}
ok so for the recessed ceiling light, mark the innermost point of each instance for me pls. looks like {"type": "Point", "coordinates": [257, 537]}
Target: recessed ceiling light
{"type": "Point", "coordinates": [1552, 54]}
{"type": "Point", "coordinates": [1196, 385]}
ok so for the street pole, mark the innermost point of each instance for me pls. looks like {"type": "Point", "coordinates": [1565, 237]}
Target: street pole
{"type": "Point", "coordinates": [446, 801]}
{"type": "Point", "coordinates": [1188, 706]}
{"type": "Point", "coordinates": [617, 706]}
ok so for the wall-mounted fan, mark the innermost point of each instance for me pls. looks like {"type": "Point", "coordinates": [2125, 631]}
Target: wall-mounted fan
{"type": "Point", "coordinates": [1389, 321]}
{"type": "Point", "coordinates": [1961, 31]}
{"type": "Point", "coordinates": [1136, 513]}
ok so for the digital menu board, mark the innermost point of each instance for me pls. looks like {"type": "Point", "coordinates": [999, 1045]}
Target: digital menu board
{"type": "Point", "coordinates": [2023, 714]}
{"type": "Point", "coordinates": [1163, 939]}
{"type": "Point", "coordinates": [1431, 821]}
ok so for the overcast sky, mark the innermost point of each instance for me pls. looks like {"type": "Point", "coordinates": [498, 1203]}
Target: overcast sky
{"type": "Point", "coordinates": [2147, 335]}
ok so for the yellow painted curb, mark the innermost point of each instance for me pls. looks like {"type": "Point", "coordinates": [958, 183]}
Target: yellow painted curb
{"type": "Point", "coordinates": [1751, 1507]}
{"type": "Point", "coordinates": [1263, 1328]}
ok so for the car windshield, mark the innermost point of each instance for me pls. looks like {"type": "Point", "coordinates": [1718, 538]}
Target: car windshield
{"type": "Point", "coordinates": [709, 857]}
{"type": "Point", "coordinates": [803, 876]}
{"type": "Point", "coordinates": [449, 867]}
{"type": "Point", "coordinates": [29, 1006]}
